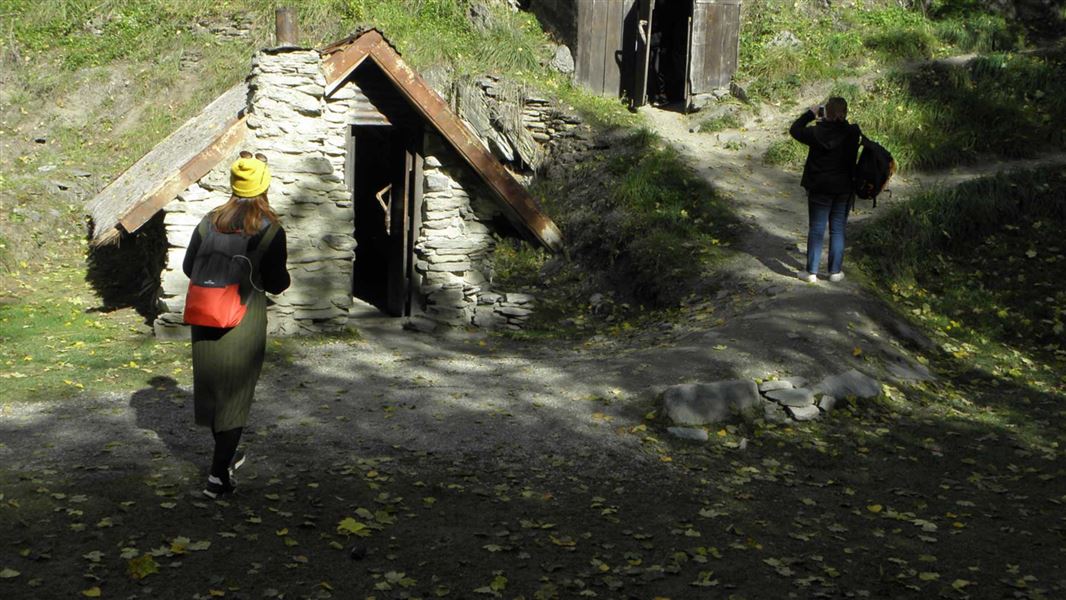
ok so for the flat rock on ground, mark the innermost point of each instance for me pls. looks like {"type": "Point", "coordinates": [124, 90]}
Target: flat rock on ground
{"type": "Point", "coordinates": [703, 403]}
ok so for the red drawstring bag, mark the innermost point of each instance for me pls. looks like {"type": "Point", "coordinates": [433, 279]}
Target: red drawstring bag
{"type": "Point", "coordinates": [217, 295]}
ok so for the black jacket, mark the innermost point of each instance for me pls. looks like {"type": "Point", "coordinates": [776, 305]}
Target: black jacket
{"type": "Point", "coordinates": [834, 146]}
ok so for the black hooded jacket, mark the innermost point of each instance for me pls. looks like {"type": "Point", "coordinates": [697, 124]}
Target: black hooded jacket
{"type": "Point", "coordinates": [834, 146]}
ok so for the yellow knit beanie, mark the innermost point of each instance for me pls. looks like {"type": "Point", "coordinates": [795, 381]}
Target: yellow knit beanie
{"type": "Point", "coordinates": [249, 177]}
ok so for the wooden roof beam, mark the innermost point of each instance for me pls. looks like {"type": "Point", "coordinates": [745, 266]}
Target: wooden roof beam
{"type": "Point", "coordinates": [191, 172]}
{"type": "Point", "coordinates": [519, 205]}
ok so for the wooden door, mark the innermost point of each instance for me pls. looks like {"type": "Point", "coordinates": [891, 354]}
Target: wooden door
{"type": "Point", "coordinates": [406, 204]}
{"type": "Point", "coordinates": [639, 94]}
{"type": "Point", "coordinates": [606, 31]}
{"type": "Point", "coordinates": [386, 169]}
{"type": "Point", "coordinates": [715, 44]}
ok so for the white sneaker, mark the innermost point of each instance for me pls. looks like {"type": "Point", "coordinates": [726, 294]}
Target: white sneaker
{"type": "Point", "coordinates": [836, 276]}
{"type": "Point", "coordinates": [808, 277]}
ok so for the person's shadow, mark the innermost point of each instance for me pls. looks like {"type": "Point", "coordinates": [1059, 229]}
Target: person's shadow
{"type": "Point", "coordinates": [166, 409]}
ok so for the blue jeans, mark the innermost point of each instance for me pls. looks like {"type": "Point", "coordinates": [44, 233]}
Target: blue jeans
{"type": "Point", "coordinates": [831, 208]}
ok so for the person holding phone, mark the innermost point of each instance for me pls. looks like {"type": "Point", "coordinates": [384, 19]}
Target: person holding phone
{"type": "Point", "coordinates": [833, 145]}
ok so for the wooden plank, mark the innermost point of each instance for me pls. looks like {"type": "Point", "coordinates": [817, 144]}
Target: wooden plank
{"type": "Point", "coordinates": [731, 42]}
{"type": "Point", "coordinates": [339, 65]}
{"type": "Point", "coordinates": [415, 217]}
{"type": "Point", "coordinates": [589, 47]}
{"type": "Point", "coordinates": [613, 50]}
{"type": "Point", "coordinates": [598, 12]}
{"type": "Point", "coordinates": [639, 94]}
{"type": "Point", "coordinates": [224, 145]}
{"type": "Point", "coordinates": [701, 50]}
{"type": "Point", "coordinates": [162, 163]}
{"type": "Point", "coordinates": [349, 159]}
{"type": "Point", "coordinates": [396, 278]}
{"type": "Point", "coordinates": [517, 203]}
{"type": "Point", "coordinates": [715, 47]}
{"type": "Point", "coordinates": [686, 93]}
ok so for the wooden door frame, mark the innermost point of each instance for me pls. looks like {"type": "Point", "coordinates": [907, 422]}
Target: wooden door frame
{"type": "Point", "coordinates": [401, 278]}
{"type": "Point", "coordinates": [646, 13]}
{"type": "Point", "coordinates": [399, 282]}
{"type": "Point", "coordinates": [411, 274]}
{"type": "Point", "coordinates": [686, 95]}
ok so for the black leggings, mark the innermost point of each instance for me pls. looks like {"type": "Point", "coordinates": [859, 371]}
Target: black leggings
{"type": "Point", "coordinates": [225, 447]}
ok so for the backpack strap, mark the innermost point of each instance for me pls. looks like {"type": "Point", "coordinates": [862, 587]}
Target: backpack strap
{"type": "Point", "coordinates": [264, 244]}
{"type": "Point", "coordinates": [255, 257]}
{"type": "Point", "coordinates": [204, 227]}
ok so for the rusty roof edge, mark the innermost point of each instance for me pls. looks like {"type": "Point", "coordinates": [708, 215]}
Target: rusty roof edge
{"type": "Point", "coordinates": [338, 66]}
{"type": "Point", "coordinates": [521, 206]}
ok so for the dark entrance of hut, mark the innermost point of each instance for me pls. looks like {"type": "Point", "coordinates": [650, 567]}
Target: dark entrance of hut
{"type": "Point", "coordinates": [686, 49]}
{"type": "Point", "coordinates": [387, 174]}
{"type": "Point", "coordinates": [662, 67]}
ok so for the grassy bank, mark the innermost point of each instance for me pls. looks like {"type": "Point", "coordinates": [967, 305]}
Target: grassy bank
{"type": "Point", "coordinates": [55, 342]}
{"type": "Point", "coordinates": [784, 46]}
{"type": "Point", "coordinates": [930, 112]}
{"type": "Point", "coordinates": [641, 228]}
{"type": "Point", "coordinates": [1003, 106]}
{"type": "Point", "coordinates": [981, 267]}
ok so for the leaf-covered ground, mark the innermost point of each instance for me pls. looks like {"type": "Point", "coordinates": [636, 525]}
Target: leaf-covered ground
{"type": "Point", "coordinates": [396, 465]}
{"type": "Point", "coordinates": [470, 468]}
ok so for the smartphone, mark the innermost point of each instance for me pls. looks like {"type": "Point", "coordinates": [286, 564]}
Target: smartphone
{"type": "Point", "coordinates": [821, 111]}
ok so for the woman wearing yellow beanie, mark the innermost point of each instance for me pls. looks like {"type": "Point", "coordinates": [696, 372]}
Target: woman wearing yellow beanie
{"type": "Point", "coordinates": [227, 361]}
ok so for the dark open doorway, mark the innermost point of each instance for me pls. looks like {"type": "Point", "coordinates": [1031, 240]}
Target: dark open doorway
{"type": "Point", "coordinates": [667, 77]}
{"type": "Point", "coordinates": [386, 173]}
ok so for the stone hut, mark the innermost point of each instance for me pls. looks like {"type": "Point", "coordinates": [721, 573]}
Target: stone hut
{"type": "Point", "coordinates": [386, 194]}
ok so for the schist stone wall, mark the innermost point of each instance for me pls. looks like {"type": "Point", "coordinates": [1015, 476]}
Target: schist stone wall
{"type": "Point", "coordinates": [305, 138]}
{"type": "Point", "coordinates": [285, 121]}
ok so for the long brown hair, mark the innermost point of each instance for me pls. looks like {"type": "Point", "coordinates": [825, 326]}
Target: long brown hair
{"type": "Point", "coordinates": [243, 215]}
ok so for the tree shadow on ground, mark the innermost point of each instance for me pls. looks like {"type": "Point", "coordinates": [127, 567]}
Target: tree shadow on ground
{"type": "Point", "coordinates": [469, 469]}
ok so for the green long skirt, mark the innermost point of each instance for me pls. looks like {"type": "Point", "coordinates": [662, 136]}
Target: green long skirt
{"type": "Point", "coordinates": [226, 365]}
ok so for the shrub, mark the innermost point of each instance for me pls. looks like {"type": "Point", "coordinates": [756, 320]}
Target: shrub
{"type": "Point", "coordinates": [785, 152]}
{"type": "Point", "coordinates": [719, 123]}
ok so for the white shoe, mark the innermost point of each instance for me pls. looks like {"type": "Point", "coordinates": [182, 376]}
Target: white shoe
{"type": "Point", "coordinates": [837, 276]}
{"type": "Point", "coordinates": [808, 277]}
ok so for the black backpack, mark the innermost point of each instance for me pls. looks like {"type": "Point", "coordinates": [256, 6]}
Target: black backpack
{"type": "Point", "coordinates": [217, 295]}
{"type": "Point", "coordinates": [872, 172]}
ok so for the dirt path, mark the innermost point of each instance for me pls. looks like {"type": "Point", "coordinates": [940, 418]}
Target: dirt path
{"type": "Point", "coordinates": [482, 467]}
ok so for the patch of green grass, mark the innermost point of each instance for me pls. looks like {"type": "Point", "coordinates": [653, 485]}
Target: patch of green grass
{"type": "Point", "coordinates": [598, 111]}
{"type": "Point", "coordinates": [638, 221]}
{"type": "Point", "coordinates": [1010, 106]}
{"type": "Point", "coordinates": [518, 264]}
{"type": "Point", "coordinates": [835, 42]}
{"type": "Point", "coordinates": [776, 71]}
{"type": "Point", "coordinates": [982, 263]}
{"type": "Point", "coordinates": [719, 123]}
{"type": "Point", "coordinates": [54, 345]}
{"type": "Point", "coordinates": [785, 152]}
{"type": "Point", "coordinates": [898, 33]}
